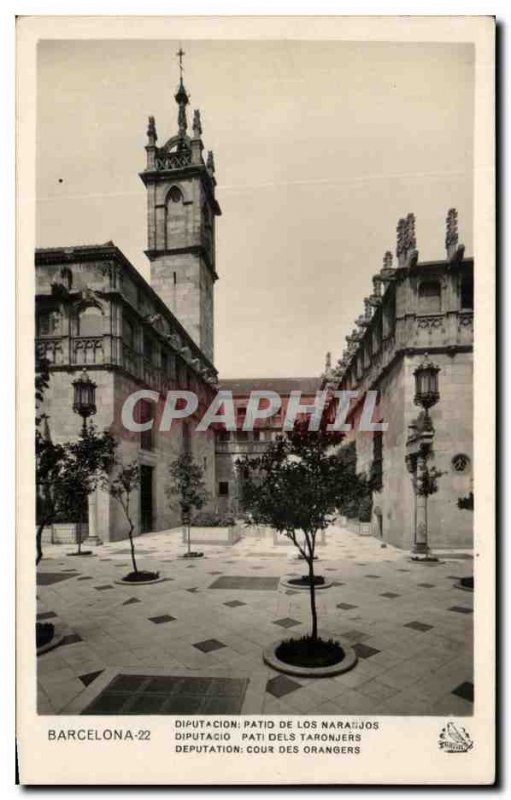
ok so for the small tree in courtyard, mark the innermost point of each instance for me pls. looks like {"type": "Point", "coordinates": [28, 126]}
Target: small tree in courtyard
{"type": "Point", "coordinates": [121, 485]}
{"type": "Point", "coordinates": [188, 490]}
{"type": "Point", "coordinates": [295, 488]}
{"type": "Point", "coordinates": [66, 474]}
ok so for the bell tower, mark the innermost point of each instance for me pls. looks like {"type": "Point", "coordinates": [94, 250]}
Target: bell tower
{"type": "Point", "coordinates": [181, 211]}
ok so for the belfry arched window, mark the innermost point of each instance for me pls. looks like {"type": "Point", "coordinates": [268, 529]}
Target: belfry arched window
{"type": "Point", "coordinates": [175, 195]}
{"type": "Point", "coordinates": [430, 297]}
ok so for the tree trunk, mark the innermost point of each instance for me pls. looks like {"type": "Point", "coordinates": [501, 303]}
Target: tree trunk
{"type": "Point", "coordinates": [79, 530]}
{"type": "Point", "coordinates": [38, 542]}
{"type": "Point", "coordinates": [312, 590]}
{"type": "Point", "coordinates": [130, 535]}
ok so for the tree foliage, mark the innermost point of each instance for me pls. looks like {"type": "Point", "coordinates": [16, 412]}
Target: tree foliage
{"type": "Point", "coordinates": [66, 473]}
{"type": "Point", "coordinates": [296, 487]}
{"type": "Point", "coordinates": [187, 488]}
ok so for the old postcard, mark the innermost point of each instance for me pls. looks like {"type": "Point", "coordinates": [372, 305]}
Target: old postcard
{"type": "Point", "coordinates": [256, 337]}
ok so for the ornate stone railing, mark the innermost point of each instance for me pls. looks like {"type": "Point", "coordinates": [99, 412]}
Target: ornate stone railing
{"type": "Point", "coordinates": [52, 349]}
{"type": "Point", "coordinates": [107, 351]}
{"type": "Point", "coordinates": [87, 350]}
{"type": "Point", "coordinates": [173, 160]}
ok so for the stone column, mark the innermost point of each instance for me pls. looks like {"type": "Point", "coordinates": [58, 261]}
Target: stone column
{"type": "Point", "coordinates": [420, 544]}
{"type": "Point", "coordinates": [93, 538]}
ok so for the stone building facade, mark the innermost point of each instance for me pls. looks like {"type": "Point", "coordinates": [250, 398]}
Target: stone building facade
{"type": "Point", "coordinates": [95, 311]}
{"type": "Point", "coordinates": [415, 308]}
{"type": "Point", "coordinates": [231, 445]}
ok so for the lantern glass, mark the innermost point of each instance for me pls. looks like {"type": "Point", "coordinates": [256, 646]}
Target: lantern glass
{"type": "Point", "coordinates": [426, 384]}
{"type": "Point", "coordinates": [84, 396]}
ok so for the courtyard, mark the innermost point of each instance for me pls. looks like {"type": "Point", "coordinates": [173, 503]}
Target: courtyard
{"type": "Point", "coordinates": [193, 643]}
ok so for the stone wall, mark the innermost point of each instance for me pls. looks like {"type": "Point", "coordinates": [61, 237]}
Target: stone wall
{"type": "Point", "coordinates": [112, 390]}
{"type": "Point", "coordinates": [449, 526]}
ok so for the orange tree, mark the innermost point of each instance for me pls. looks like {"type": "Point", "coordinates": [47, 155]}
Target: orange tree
{"type": "Point", "coordinates": [295, 487]}
{"type": "Point", "coordinates": [66, 474]}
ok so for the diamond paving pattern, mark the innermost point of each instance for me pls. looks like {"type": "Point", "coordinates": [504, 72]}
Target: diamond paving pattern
{"type": "Point", "coordinates": [281, 685]}
{"type": "Point", "coordinates": [287, 622]}
{"type": "Point", "coordinates": [364, 651]}
{"type": "Point", "coordinates": [418, 626]}
{"type": "Point", "coordinates": [89, 677]}
{"type": "Point", "coordinates": [209, 645]}
{"type": "Point", "coordinates": [49, 578]}
{"type": "Point", "coordinates": [465, 690]}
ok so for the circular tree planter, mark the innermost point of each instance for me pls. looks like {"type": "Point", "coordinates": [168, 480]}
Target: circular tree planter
{"type": "Point", "coordinates": [425, 559]}
{"type": "Point", "coordinates": [302, 585]}
{"type": "Point", "coordinates": [465, 584]}
{"type": "Point", "coordinates": [83, 553]}
{"type": "Point", "coordinates": [348, 661]}
{"type": "Point", "coordinates": [143, 581]}
{"type": "Point", "coordinates": [56, 639]}
{"type": "Point", "coordinates": [299, 557]}
{"type": "Point", "coordinates": [193, 554]}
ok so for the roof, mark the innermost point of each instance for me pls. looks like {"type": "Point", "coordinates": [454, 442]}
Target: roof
{"type": "Point", "coordinates": [283, 386]}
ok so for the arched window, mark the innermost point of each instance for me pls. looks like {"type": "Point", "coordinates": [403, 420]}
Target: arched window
{"type": "Point", "coordinates": [430, 297]}
{"type": "Point", "coordinates": [175, 195]}
{"type": "Point", "coordinates": [175, 217]}
{"type": "Point", "coordinates": [90, 322]}
{"type": "Point", "coordinates": [49, 322]}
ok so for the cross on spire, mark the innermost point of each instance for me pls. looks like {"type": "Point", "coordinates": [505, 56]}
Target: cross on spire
{"type": "Point", "coordinates": [180, 53]}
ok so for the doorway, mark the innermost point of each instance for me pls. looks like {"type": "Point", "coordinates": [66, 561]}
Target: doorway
{"type": "Point", "coordinates": [146, 498]}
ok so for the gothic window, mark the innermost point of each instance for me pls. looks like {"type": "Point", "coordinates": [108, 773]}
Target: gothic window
{"type": "Point", "coordinates": [182, 375]}
{"type": "Point", "coordinates": [128, 333]}
{"type": "Point", "coordinates": [467, 292]}
{"type": "Point", "coordinates": [377, 465]}
{"type": "Point", "coordinates": [175, 195]}
{"type": "Point", "coordinates": [168, 363]}
{"type": "Point", "coordinates": [49, 323]}
{"type": "Point", "coordinates": [223, 488]}
{"type": "Point", "coordinates": [389, 315]}
{"type": "Point", "coordinates": [224, 436]}
{"type": "Point", "coordinates": [377, 334]}
{"type": "Point", "coordinates": [145, 414]}
{"type": "Point", "coordinates": [257, 436]}
{"type": "Point", "coordinates": [148, 347]}
{"type": "Point", "coordinates": [430, 297]}
{"type": "Point", "coordinates": [90, 322]}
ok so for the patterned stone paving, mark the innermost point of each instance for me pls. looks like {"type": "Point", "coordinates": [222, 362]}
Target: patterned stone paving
{"type": "Point", "coordinates": [413, 638]}
{"type": "Point", "coordinates": [145, 694]}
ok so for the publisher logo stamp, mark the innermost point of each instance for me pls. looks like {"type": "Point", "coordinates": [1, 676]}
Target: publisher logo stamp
{"type": "Point", "coordinates": [454, 739]}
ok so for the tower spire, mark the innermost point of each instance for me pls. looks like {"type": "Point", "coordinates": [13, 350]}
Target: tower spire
{"type": "Point", "coordinates": [181, 97]}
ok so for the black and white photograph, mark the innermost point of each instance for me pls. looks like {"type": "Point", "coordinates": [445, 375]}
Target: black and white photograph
{"type": "Point", "coordinates": [255, 428]}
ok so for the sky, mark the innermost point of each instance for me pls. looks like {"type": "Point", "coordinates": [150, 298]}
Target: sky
{"type": "Point", "coordinates": [320, 147]}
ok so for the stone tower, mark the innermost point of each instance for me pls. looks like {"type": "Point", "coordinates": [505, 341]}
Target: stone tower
{"type": "Point", "coordinates": [181, 211]}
